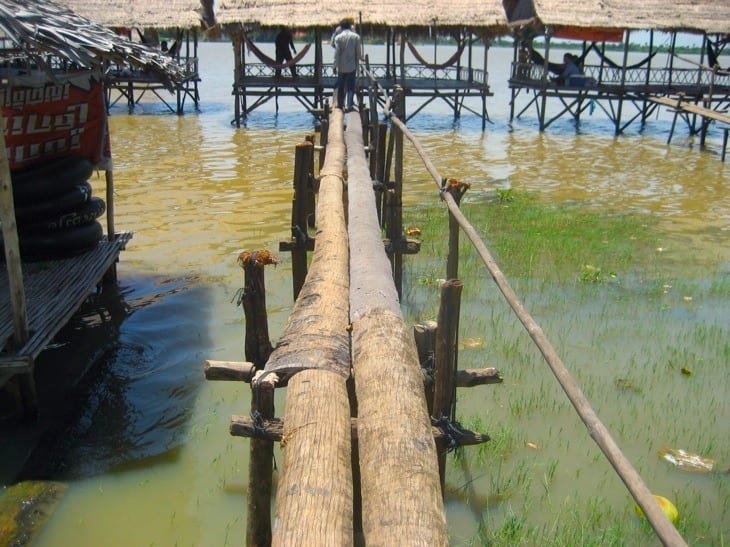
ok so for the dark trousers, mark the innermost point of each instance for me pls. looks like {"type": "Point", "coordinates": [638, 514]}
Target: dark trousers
{"type": "Point", "coordinates": [345, 84]}
{"type": "Point", "coordinates": [283, 57]}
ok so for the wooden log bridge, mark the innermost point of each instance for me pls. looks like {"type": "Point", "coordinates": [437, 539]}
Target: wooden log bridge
{"type": "Point", "coordinates": [360, 451]}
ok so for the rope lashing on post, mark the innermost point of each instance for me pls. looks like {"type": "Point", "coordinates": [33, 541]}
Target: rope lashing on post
{"type": "Point", "coordinates": [452, 432]}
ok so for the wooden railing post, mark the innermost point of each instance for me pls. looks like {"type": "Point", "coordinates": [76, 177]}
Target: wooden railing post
{"type": "Point", "coordinates": [299, 230]}
{"type": "Point", "coordinates": [445, 360]}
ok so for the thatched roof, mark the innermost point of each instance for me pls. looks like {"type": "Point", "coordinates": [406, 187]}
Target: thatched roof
{"type": "Point", "coordinates": [327, 13]}
{"type": "Point", "coordinates": [711, 16]}
{"type": "Point", "coordinates": [39, 28]}
{"type": "Point", "coordinates": [159, 14]}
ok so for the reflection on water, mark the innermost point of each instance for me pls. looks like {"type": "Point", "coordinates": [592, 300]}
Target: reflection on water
{"type": "Point", "coordinates": [148, 457]}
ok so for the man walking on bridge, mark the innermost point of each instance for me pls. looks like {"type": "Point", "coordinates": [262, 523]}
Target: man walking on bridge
{"type": "Point", "coordinates": [347, 58]}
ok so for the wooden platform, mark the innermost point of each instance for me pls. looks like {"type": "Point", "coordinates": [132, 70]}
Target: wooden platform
{"type": "Point", "coordinates": [311, 86]}
{"type": "Point", "coordinates": [54, 290]}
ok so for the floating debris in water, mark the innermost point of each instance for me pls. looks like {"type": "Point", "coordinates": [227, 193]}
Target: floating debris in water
{"type": "Point", "coordinates": [666, 506]}
{"type": "Point", "coordinates": [623, 383]}
{"type": "Point", "coordinates": [686, 460]}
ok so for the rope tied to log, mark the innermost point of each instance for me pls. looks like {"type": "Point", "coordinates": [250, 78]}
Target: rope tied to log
{"type": "Point", "coordinates": [452, 432]}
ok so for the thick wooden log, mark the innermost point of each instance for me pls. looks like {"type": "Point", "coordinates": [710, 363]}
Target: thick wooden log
{"type": "Point", "coordinates": [401, 493]}
{"type": "Point", "coordinates": [316, 334]}
{"type": "Point", "coordinates": [315, 493]}
{"type": "Point", "coordinates": [273, 430]}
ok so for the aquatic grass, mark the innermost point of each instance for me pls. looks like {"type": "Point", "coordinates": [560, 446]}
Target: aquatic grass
{"type": "Point", "coordinates": [644, 337]}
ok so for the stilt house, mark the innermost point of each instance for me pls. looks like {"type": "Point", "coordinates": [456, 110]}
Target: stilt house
{"type": "Point", "coordinates": [402, 29]}
{"type": "Point", "coordinates": [624, 88]}
{"type": "Point", "coordinates": [172, 26]}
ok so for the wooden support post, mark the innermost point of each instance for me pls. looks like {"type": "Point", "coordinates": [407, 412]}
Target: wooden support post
{"type": "Point", "coordinates": [425, 336]}
{"type": "Point", "coordinates": [394, 227]}
{"type": "Point", "coordinates": [316, 471]}
{"type": "Point", "coordinates": [446, 359]}
{"type": "Point", "coordinates": [257, 343]}
{"type": "Point", "coordinates": [380, 175]}
{"type": "Point", "coordinates": [310, 191]}
{"type": "Point", "coordinates": [401, 496]}
{"type": "Point", "coordinates": [260, 469]}
{"type": "Point", "coordinates": [457, 190]}
{"type": "Point", "coordinates": [26, 381]}
{"type": "Point", "coordinates": [300, 236]}
{"type": "Point", "coordinates": [323, 134]}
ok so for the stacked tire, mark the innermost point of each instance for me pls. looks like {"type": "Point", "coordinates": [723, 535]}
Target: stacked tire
{"type": "Point", "coordinates": [55, 212]}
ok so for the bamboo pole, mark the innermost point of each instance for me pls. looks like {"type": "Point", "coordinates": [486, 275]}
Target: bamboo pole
{"type": "Point", "coordinates": [445, 362]}
{"type": "Point", "coordinates": [401, 494]}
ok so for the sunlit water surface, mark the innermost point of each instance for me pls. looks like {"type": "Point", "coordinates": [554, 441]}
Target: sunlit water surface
{"type": "Point", "coordinates": [148, 457]}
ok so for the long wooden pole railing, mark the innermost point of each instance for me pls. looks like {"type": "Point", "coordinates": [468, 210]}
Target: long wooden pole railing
{"type": "Point", "coordinates": [664, 529]}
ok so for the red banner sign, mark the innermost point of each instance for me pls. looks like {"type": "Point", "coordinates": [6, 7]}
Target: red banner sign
{"type": "Point", "coordinates": [54, 120]}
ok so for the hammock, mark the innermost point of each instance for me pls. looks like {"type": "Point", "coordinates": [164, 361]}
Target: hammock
{"type": "Point", "coordinates": [612, 64]}
{"type": "Point", "coordinates": [450, 61]}
{"type": "Point", "coordinates": [272, 62]}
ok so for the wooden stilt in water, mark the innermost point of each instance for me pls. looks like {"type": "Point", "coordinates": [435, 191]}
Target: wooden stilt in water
{"type": "Point", "coordinates": [446, 357]}
{"type": "Point", "coordinates": [253, 299]}
{"type": "Point", "coordinates": [300, 236]}
{"type": "Point", "coordinates": [456, 189]}
{"type": "Point", "coordinates": [260, 468]}
{"type": "Point", "coordinates": [394, 200]}
{"type": "Point", "coordinates": [425, 335]}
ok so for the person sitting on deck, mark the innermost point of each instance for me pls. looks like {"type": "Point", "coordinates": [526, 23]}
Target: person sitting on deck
{"type": "Point", "coordinates": [570, 69]}
{"type": "Point", "coordinates": [284, 42]}
{"type": "Point", "coordinates": [347, 59]}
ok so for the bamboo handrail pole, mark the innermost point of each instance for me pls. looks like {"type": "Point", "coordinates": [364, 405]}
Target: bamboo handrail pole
{"type": "Point", "coordinates": [401, 492]}
{"type": "Point", "coordinates": [666, 531]}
